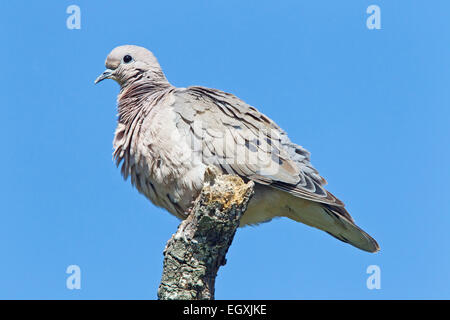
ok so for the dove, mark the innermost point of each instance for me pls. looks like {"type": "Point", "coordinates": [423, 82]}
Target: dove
{"type": "Point", "coordinates": [167, 136]}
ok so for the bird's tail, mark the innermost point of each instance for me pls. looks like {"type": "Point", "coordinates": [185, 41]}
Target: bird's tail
{"type": "Point", "coordinates": [334, 220]}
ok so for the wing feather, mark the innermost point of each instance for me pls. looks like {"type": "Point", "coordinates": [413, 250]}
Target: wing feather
{"type": "Point", "coordinates": [243, 141]}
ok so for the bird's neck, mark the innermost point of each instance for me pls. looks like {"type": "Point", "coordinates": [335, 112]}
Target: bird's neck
{"type": "Point", "coordinates": [131, 98]}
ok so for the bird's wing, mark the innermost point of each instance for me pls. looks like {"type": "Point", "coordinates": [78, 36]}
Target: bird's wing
{"type": "Point", "coordinates": [236, 137]}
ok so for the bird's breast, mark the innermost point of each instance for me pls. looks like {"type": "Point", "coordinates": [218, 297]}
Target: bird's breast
{"type": "Point", "coordinates": [163, 166]}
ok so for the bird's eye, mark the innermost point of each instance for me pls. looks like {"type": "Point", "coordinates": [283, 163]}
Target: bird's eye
{"type": "Point", "coordinates": [127, 59]}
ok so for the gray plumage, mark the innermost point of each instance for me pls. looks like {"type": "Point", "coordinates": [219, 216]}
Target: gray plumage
{"type": "Point", "coordinates": [167, 136]}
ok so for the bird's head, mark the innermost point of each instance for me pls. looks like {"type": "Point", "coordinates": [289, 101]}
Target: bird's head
{"type": "Point", "coordinates": [128, 64]}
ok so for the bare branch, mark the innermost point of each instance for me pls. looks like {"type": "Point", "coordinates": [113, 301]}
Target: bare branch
{"type": "Point", "coordinates": [196, 251]}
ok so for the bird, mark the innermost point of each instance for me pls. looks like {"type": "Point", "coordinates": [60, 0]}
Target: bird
{"type": "Point", "coordinates": [167, 136]}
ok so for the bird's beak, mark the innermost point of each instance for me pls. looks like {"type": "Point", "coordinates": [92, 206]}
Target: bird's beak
{"type": "Point", "coordinates": [105, 75]}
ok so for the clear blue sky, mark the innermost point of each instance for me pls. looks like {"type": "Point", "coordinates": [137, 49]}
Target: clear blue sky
{"type": "Point", "coordinates": [373, 107]}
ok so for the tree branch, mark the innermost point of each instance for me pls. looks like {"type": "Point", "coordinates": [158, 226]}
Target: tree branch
{"type": "Point", "coordinates": [196, 251]}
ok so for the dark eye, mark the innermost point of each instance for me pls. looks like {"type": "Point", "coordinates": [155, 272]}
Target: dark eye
{"type": "Point", "coordinates": [127, 58]}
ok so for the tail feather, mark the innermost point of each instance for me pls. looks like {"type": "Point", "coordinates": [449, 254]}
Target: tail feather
{"type": "Point", "coordinates": [336, 221]}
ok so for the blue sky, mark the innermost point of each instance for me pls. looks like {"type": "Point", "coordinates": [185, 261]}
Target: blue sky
{"type": "Point", "coordinates": [371, 105]}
